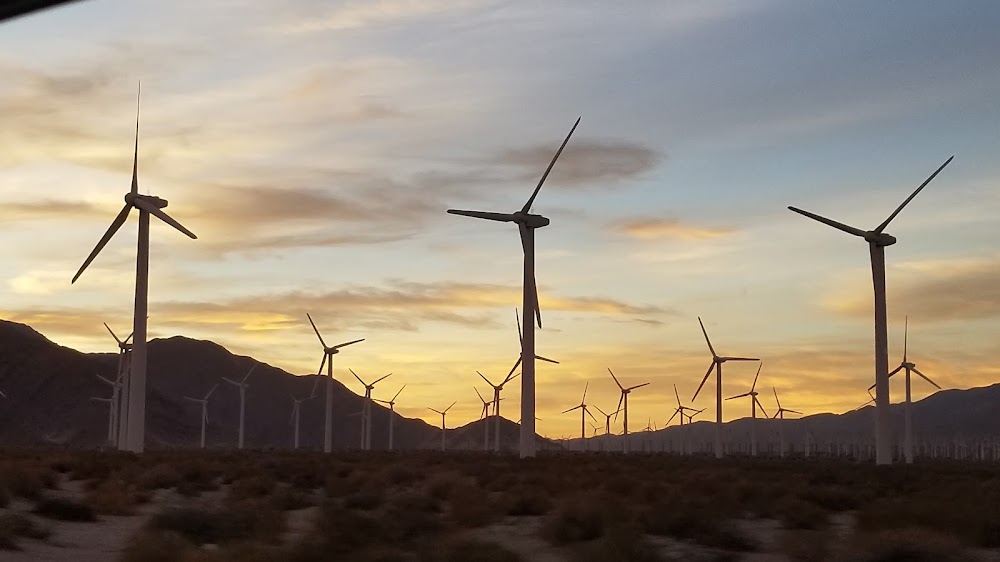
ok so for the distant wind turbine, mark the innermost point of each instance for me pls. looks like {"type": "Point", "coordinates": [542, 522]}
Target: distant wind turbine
{"type": "Point", "coordinates": [135, 435]}
{"type": "Point", "coordinates": [485, 416]}
{"type": "Point", "coordinates": [526, 224]}
{"type": "Point", "coordinates": [780, 414]}
{"type": "Point", "coordinates": [122, 376]}
{"type": "Point", "coordinates": [624, 400]}
{"type": "Point", "coordinates": [116, 386]}
{"type": "Point", "coordinates": [607, 419]}
{"type": "Point", "coordinates": [296, 413]}
{"type": "Point", "coordinates": [392, 412]}
{"type": "Point", "coordinates": [445, 411]}
{"type": "Point", "coordinates": [679, 410]}
{"type": "Point", "coordinates": [754, 402]}
{"type": "Point", "coordinates": [908, 421]}
{"type": "Point", "coordinates": [328, 353]}
{"type": "Point", "coordinates": [877, 241]}
{"type": "Point", "coordinates": [204, 411]}
{"type": "Point", "coordinates": [242, 385]}
{"type": "Point", "coordinates": [717, 362]}
{"type": "Point", "coordinates": [497, 389]}
{"type": "Point", "coordinates": [366, 411]}
{"type": "Point", "coordinates": [111, 415]}
{"type": "Point", "coordinates": [584, 412]}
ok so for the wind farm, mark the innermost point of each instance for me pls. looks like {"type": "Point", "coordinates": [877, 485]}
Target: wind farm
{"type": "Point", "coordinates": [317, 149]}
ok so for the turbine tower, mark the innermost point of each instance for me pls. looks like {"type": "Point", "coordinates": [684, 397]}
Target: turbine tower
{"type": "Point", "coordinates": [607, 419]}
{"type": "Point", "coordinates": [624, 399]}
{"type": "Point", "coordinates": [328, 353]}
{"type": "Point", "coordinates": [442, 421]}
{"type": "Point", "coordinates": [366, 412]}
{"type": "Point", "coordinates": [204, 411]}
{"type": "Point", "coordinates": [717, 362]}
{"type": "Point", "coordinates": [111, 415]}
{"type": "Point", "coordinates": [877, 241]}
{"type": "Point", "coordinates": [780, 414]}
{"type": "Point", "coordinates": [122, 376]}
{"type": "Point", "coordinates": [584, 412]}
{"type": "Point", "coordinates": [754, 402]}
{"type": "Point", "coordinates": [497, 389]}
{"type": "Point", "coordinates": [242, 385]}
{"type": "Point", "coordinates": [116, 386]}
{"type": "Point", "coordinates": [135, 434]}
{"type": "Point", "coordinates": [392, 412]}
{"type": "Point", "coordinates": [526, 224]}
{"type": "Point", "coordinates": [907, 419]}
{"type": "Point", "coordinates": [296, 411]}
{"type": "Point", "coordinates": [485, 416]}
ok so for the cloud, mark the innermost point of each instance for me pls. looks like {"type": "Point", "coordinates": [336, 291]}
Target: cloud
{"type": "Point", "coordinates": [583, 162]}
{"type": "Point", "coordinates": [934, 291]}
{"type": "Point", "coordinates": [12, 211]}
{"type": "Point", "coordinates": [651, 229]}
{"type": "Point", "coordinates": [362, 14]}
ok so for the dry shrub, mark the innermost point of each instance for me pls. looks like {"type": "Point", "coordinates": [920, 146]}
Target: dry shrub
{"type": "Point", "coordinates": [807, 546]}
{"type": "Point", "coordinates": [799, 514]}
{"type": "Point", "coordinates": [911, 545]}
{"type": "Point", "coordinates": [22, 481]}
{"type": "Point", "coordinates": [465, 549]}
{"type": "Point", "coordinates": [287, 498]}
{"type": "Point", "coordinates": [161, 476]}
{"type": "Point", "coordinates": [16, 525]}
{"type": "Point", "coordinates": [63, 509]}
{"type": "Point", "coordinates": [114, 497]}
{"type": "Point", "coordinates": [156, 546]}
{"type": "Point", "coordinates": [528, 500]}
{"type": "Point", "coordinates": [240, 521]}
{"type": "Point", "coordinates": [252, 487]}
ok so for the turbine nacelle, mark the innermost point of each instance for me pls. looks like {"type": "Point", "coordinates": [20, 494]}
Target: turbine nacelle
{"type": "Point", "coordinates": [530, 220]}
{"type": "Point", "coordinates": [131, 198]}
{"type": "Point", "coordinates": [879, 238]}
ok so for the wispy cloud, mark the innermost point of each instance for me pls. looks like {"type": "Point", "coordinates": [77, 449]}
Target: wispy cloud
{"type": "Point", "coordinates": [584, 162]}
{"type": "Point", "coordinates": [654, 228]}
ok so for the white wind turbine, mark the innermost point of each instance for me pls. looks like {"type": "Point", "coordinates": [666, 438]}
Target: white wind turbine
{"type": "Point", "coordinates": [366, 412]}
{"type": "Point", "coordinates": [624, 399]}
{"type": "Point", "coordinates": [584, 412]}
{"type": "Point", "coordinates": [497, 388]}
{"type": "Point", "coordinates": [111, 416]}
{"type": "Point", "coordinates": [526, 224]}
{"type": "Point", "coordinates": [124, 360]}
{"type": "Point", "coordinates": [392, 412]}
{"type": "Point", "coordinates": [877, 241]}
{"type": "Point", "coordinates": [754, 402]}
{"type": "Point", "coordinates": [296, 411]}
{"type": "Point", "coordinates": [780, 414]}
{"type": "Point", "coordinates": [204, 412]}
{"type": "Point", "coordinates": [135, 431]}
{"type": "Point", "coordinates": [242, 385]}
{"type": "Point", "coordinates": [442, 421]}
{"type": "Point", "coordinates": [114, 406]}
{"type": "Point", "coordinates": [328, 353]}
{"type": "Point", "coordinates": [907, 419]}
{"type": "Point", "coordinates": [717, 362]}
{"type": "Point", "coordinates": [485, 416]}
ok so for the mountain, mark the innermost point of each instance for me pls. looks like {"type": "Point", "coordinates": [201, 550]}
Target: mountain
{"type": "Point", "coordinates": [49, 388]}
{"type": "Point", "coordinates": [947, 416]}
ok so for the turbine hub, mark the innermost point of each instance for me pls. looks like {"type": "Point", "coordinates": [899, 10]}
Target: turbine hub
{"type": "Point", "coordinates": [531, 221]}
{"type": "Point", "coordinates": [880, 238]}
{"type": "Point", "coordinates": [908, 365]}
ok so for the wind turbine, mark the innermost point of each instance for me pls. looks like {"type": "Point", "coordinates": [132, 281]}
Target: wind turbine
{"type": "Point", "coordinates": [754, 402]}
{"type": "Point", "coordinates": [366, 412]}
{"type": "Point", "coordinates": [392, 412]}
{"type": "Point", "coordinates": [607, 419]}
{"type": "Point", "coordinates": [497, 388]}
{"type": "Point", "coordinates": [584, 412]}
{"type": "Point", "coordinates": [135, 434]}
{"type": "Point", "coordinates": [122, 376]}
{"type": "Point", "coordinates": [877, 241]}
{"type": "Point", "coordinates": [624, 399]}
{"type": "Point", "coordinates": [115, 397]}
{"type": "Point", "coordinates": [328, 353]}
{"type": "Point", "coordinates": [526, 224]}
{"type": "Point", "coordinates": [484, 415]}
{"type": "Point", "coordinates": [296, 411]}
{"type": "Point", "coordinates": [111, 416]}
{"type": "Point", "coordinates": [442, 421]}
{"type": "Point", "coordinates": [242, 385]}
{"type": "Point", "coordinates": [204, 413]}
{"type": "Point", "coordinates": [908, 421]}
{"type": "Point", "coordinates": [680, 409]}
{"type": "Point", "coordinates": [717, 362]}
{"type": "Point", "coordinates": [780, 414]}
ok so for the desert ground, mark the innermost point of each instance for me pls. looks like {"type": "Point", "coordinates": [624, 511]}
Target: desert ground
{"type": "Point", "coordinates": [207, 506]}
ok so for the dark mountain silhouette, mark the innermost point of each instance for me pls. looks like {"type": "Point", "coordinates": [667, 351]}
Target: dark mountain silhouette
{"type": "Point", "coordinates": [49, 386]}
{"type": "Point", "coordinates": [947, 416]}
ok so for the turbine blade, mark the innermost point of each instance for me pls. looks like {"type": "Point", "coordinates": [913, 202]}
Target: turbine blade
{"type": "Point", "coordinates": [381, 379]}
{"type": "Point", "coordinates": [637, 386]}
{"type": "Point", "coordinates": [230, 381]}
{"type": "Point", "coordinates": [397, 393]}
{"type": "Point", "coordinates": [449, 407]}
{"type": "Point", "coordinates": [707, 373]}
{"type": "Point", "coordinates": [672, 417]}
{"type": "Point", "coordinates": [754, 386]}
{"type": "Point", "coordinates": [480, 396]}
{"type": "Point", "coordinates": [115, 225]}
{"type": "Point", "coordinates": [511, 374]}
{"type": "Point", "coordinates": [531, 200]}
{"type": "Point", "coordinates": [710, 348]}
{"type": "Point", "coordinates": [776, 397]}
{"type": "Point", "coordinates": [829, 222]}
{"type": "Point", "coordinates": [211, 391]}
{"type": "Point", "coordinates": [906, 329]}
{"type": "Point", "coordinates": [120, 342]}
{"type": "Point", "coordinates": [486, 379]}
{"type": "Point", "coordinates": [616, 380]}
{"type": "Point", "coordinates": [254, 366]}
{"type": "Point", "coordinates": [738, 396]}
{"type": "Point", "coordinates": [321, 365]}
{"type": "Point", "coordinates": [340, 345]}
{"type": "Point", "coordinates": [882, 226]}
{"type": "Point", "coordinates": [761, 406]}
{"type": "Point", "coordinates": [589, 414]}
{"type": "Point", "coordinates": [585, 387]}
{"type": "Point", "coordinates": [315, 329]}
{"type": "Point", "coordinates": [571, 409]}
{"type": "Point", "coordinates": [502, 217]}
{"type": "Point", "coordinates": [162, 215]}
{"type": "Point", "coordinates": [357, 377]}
{"type": "Point", "coordinates": [676, 395]}
{"type": "Point", "coordinates": [914, 369]}
{"type": "Point", "coordinates": [622, 397]}
{"type": "Point", "coordinates": [740, 358]}
{"type": "Point", "coordinates": [540, 358]}
{"type": "Point", "coordinates": [520, 336]}
{"type": "Point", "coordinates": [793, 412]}
{"type": "Point", "coordinates": [600, 410]}
{"type": "Point", "coordinates": [894, 371]}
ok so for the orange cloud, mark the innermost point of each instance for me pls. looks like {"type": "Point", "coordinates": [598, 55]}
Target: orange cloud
{"type": "Point", "coordinates": [648, 229]}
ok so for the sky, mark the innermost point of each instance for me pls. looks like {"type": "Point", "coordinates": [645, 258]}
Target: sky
{"type": "Point", "coordinates": [314, 147]}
